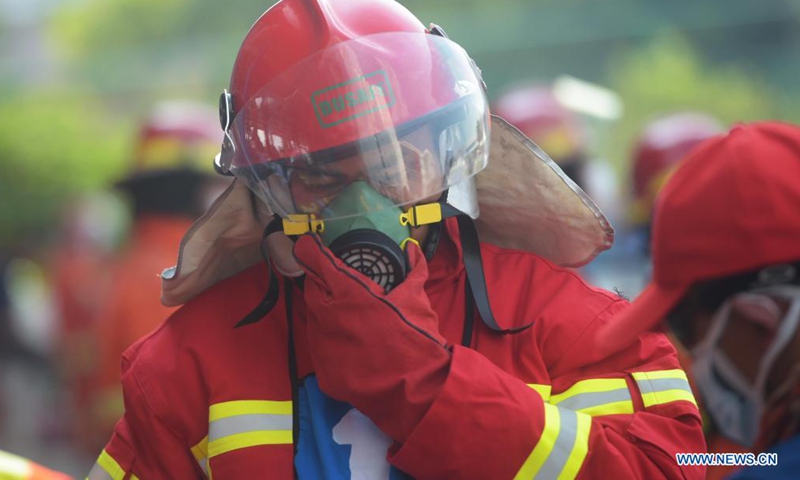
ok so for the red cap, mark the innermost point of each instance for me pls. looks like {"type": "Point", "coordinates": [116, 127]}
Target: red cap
{"type": "Point", "coordinates": [733, 206]}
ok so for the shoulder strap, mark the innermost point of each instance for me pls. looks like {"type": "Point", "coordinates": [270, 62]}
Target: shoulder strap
{"type": "Point", "coordinates": [471, 249]}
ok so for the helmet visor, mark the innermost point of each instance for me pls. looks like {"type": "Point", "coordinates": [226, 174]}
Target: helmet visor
{"type": "Point", "coordinates": [403, 112]}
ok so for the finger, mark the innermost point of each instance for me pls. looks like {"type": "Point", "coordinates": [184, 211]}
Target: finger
{"type": "Point", "coordinates": [417, 264]}
{"type": "Point", "coordinates": [313, 257]}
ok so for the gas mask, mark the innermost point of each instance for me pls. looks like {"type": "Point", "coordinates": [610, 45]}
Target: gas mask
{"type": "Point", "coordinates": [736, 406]}
{"type": "Point", "coordinates": [369, 242]}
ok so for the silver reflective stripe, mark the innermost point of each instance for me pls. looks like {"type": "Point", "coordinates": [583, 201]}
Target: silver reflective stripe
{"type": "Point", "coordinates": [562, 448]}
{"type": "Point", "coordinates": [594, 399]}
{"type": "Point", "coordinates": [662, 385]}
{"type": "Point", "coordinates": [99, 473]}
{"type": "Point", "coordinates": [204, 465]}
{"type": "Point", "coordinates": [247, 423]}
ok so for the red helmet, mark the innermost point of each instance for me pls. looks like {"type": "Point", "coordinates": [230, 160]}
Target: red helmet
{"type": "Point", "coordinates": [321, 82]}
{"type": "Point", "coordinates": [177, 135]}
{"type": "Point", "coordinates": [659, 149]}
{"type": "Point", "coordinates": [536, 112]}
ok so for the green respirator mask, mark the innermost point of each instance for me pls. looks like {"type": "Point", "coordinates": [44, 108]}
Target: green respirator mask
{"type": "Point", "coordinates": [372, 233]}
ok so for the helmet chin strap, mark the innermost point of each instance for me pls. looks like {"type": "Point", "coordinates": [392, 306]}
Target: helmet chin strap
{"type": "Point", "coordinates": [271, 297]}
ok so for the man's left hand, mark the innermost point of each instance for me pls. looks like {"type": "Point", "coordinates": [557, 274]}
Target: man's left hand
{"type": "Point", "coordinates": [382, 353]}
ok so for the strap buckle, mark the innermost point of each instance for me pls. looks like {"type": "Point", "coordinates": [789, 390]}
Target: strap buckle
{"type": "Point", "coordinates": [422, 215]}
{"type": "Point", "coordinates": [298, 224]}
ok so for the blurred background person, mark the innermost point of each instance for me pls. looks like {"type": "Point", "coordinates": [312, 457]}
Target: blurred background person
{"type": "Point", "coordinates": [663, 143]}
{"type": "Point", "coordinates": [171, 184]}
{"type": "Point", "coordinates": [658, 148]}
{"type": "Point", "coordinates": [726, 280]}
{"type": "Point", "coordinates": [535, 109]}
{"type": "Point", "coordinates": [27, 340]}
{"type": "Point", "coordinates": [90, 231]}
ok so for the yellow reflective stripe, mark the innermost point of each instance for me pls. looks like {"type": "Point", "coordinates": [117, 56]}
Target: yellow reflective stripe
{"type": "Point", "coordinates": [134, 477]}
{"type": "Point", "coordinates": [244, 407]}
{"type": "Point", "coordinates": [534, 462]}
{"type": "Point", "coordinates": [544, 390]}
{"type": "Point", "coordinates": [579, 450]}
{"type": "Point", "coordinates": [562, 446]}
{"type": "Point", "coordinates": [592, 385]}
{"type": "Point", "coordinates": [667, 396]}
{"type": "Point", "coordinates": [111, 466]}
{"type": "Point", "coordinates": [664, 386]}
{"type": "Point", "coordinates": [246, 423]}
{"type": "Point", "coordinates": [596, 397]}
{"type": "Point", "coordinates": [624, 407]}
{"type": "Point", "coordinates": [106, 467]}
{"type": "Point", "coordinates": [658, 374]}
{"type": "Point", "coordinates": [200, 452]}
{"type": "Point", "coordinates": [249, 439]}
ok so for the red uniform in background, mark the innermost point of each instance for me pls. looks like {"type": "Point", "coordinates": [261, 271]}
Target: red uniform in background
{"type": "Point", "coordinates": [168, 189]}
{"type": "Point", "coordinates": [133, 310]}
{"type": "Point", "coordinates": [661, 146]}
{"type": "Point", "coordinates": [80, 277]}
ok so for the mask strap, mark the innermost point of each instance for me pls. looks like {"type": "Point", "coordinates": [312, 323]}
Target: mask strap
{"type": "Point", "coordinates": [786, 330]}
{"type": "Point", "coordinates": [718, 324]}
{"type": "Point", "coordinates": [271, 297]}
{"type": "Point", "coordinates": [434, 233]}
{"type": "Point", "coordinates": [471, 250]}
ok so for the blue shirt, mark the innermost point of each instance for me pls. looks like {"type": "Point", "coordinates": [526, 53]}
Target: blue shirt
{"type": "Point", "coordinates": [337, 442]}
{"type": "Point", "coordinates": [788, 467]}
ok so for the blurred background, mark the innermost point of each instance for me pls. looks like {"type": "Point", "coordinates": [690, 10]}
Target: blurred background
{"type": "Point", "coordinates": [78, 76]}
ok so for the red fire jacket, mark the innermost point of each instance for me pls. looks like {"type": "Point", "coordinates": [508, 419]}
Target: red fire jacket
{"type": "Point", "coordinates": [542, 403]}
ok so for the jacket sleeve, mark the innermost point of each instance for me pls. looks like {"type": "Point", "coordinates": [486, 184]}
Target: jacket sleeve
{"type": "Point", "coordinates": [143, 446]}
{"type": "Point", "coordinates": [621, 417]}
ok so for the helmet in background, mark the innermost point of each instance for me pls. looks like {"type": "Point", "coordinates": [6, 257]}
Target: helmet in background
{"type": "Point", "coordinates": [172, 164]}
{"type": "Point", "coordinates": [536, 112]}
{"type": "Point", "coordinates": [661, 145]}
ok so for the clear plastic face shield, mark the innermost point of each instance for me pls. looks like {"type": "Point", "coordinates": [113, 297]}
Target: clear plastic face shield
{"type": "Point", "coordinates": [400, 114]}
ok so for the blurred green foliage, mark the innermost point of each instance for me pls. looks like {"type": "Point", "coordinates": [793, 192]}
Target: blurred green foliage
{"type": "Point", "coordinates": [668, 75]}
{"type": "Point", "coordinates": [94, 24]}
{"type": "Point", "coordinates": [53, 146]}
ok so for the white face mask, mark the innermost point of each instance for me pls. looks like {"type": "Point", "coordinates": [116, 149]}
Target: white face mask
{"type": "Point", "coordinates": [736, 405]}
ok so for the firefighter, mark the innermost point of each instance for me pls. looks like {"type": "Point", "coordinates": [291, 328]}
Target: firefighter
{"type": "Point", "coordinates": [534, 108]}
{"type": "Point", "coordinates": [726, 280]}
{"type": "Point", "coordinates": [168, 188]}
{"type": "Point", "coordinates": [380, 339]}
{"type": "Point", "coordinates": [657, 152]}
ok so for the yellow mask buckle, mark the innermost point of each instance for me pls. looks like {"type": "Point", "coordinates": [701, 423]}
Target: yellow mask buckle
{"type": "Point", "coordinates": [298, 224]}
{"type": "Point", "coordinates": [422, 215]}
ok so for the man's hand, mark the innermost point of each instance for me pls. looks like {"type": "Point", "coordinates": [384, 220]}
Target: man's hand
{"type": "Point", "coordinates": [380, 352]}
